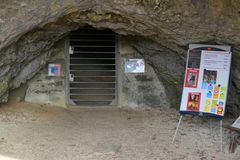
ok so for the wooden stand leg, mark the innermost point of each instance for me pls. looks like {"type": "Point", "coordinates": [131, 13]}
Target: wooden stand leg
{"type": "Point", "coordinates": [211, 126]}
{"type": "Point", "coordinates": [221, 136]}
{"type": "Point", "coordinates": [175, 134]}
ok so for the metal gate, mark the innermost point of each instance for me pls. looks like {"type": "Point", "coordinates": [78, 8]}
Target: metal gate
{"type": "Point", "coordinates": [92, 67]}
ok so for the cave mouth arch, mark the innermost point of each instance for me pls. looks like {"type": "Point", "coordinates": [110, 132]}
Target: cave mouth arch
{"type": "Point", "coordinates": [163, 33]}
{"type": "Point", "coordinates": [108, 86]}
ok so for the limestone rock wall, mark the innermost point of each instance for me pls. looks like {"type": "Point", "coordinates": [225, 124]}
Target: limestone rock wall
{"type": "Point", "coordinates": [139, 89]}
{"type": "Point", "coordinates": [134, 89]}
{"type": "Point", "coordinates": [29, 28]}
{"type": "Point", "coordinates": [45, 89]}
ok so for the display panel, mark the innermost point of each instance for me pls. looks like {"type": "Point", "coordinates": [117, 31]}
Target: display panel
{"type": "Point", "coordinates": [206, 82]}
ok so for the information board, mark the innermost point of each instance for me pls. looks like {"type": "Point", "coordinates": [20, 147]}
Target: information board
{"type": "Point", "coordinates": [206, 81]}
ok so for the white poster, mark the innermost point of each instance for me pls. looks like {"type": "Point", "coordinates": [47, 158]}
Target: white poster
{"type": "Point", "coordinates": [134, 66]}
{"type": "Point", "coordinates": [206, 82]}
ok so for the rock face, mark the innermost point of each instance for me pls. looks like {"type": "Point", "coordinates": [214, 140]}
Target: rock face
{"type": "Point", "coordinates": [142, 89]}
{"type": "Point", "coordinates": [160, 30]}
{"type": "Point", "coordinates": [44, 89]}
{"type": "Point", "coordinates": [134, 90]}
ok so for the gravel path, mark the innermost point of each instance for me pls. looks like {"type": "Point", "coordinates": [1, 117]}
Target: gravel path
{"type": "Point", "coordinates": [34, 132]}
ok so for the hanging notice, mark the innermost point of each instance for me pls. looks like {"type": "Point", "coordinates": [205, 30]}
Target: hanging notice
{"type": "Point", "coordinates": [134, 66]}
{"type": "Point", "coordinates": [206, 81]}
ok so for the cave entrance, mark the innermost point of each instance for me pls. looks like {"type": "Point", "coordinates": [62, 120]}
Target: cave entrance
{"type": "Point", "coordinates": [92, 67]}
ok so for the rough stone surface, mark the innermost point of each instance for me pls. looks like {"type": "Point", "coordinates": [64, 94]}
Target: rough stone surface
{"type": "Point", "coordinates": [29, 28]}
{"type": "Point", "coordinates": [135, 90]}
{"type": "Point", "coordinates": [44, 89]}
{"type": "Point", "coordinates": [168, 65]}
{"type": "Point", "coordinates": [141, 89]}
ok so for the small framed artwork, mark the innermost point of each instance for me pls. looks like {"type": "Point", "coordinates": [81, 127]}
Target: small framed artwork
{"type": "Point", "coordinates": [192, 78]}
{"type": "Point", "coordinates": [193, 103]}
{"type": "Point", "coordinates": [209, 78]}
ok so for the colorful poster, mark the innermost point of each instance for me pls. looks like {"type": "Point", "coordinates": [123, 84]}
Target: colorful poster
{"type": "Point", "coordinates": [206, 80]}
{"type": "Point", "coordinates": [209, 77]}
{"type": "Point", "coordinates": [193, 102]}
{"type": "Point", "coordinates": [54, 70]}
{"type": "Point", "coordinates": [192, 78]}
{"type": "Point", "coordinates": [222, 93]}
{"type": "Point", "coordinates": [216, 91]}
{"type": "Point", "coordinates": [214, 106]}
{"type": "Point", "coordinates": [207, 105]}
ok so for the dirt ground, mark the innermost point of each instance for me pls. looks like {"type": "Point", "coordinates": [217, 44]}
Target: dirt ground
{"type": "Point", "coordinates": [37, 132]}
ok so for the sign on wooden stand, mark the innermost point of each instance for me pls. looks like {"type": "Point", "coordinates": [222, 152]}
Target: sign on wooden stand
{"type": "Point", "coordinates": [206, 82]}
